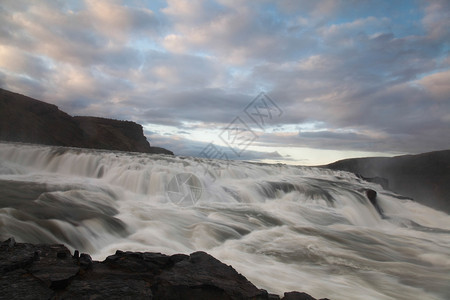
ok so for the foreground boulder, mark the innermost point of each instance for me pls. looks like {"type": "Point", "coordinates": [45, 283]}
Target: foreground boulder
{"type": "Point", "coordinates": [42, 271]}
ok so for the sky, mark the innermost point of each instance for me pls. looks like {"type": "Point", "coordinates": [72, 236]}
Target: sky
{"type": "Point", "coordinates": [297, 82]}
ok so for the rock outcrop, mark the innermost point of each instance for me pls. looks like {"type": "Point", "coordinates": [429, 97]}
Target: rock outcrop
{"type": "Point", "coordinates": [101, 133]}
{"type": "Point", "coordinates": [43, 271]}
{"type": "Point", "coordinates": [423, 177]}
{"type": "Point", "coordinates": [27, 120]}
{"type": "Point", "coordinates": [372, 196]}
{"type": "Point", "coordinates": [23, 119]}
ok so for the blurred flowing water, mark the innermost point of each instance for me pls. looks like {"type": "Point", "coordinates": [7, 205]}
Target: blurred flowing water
{"type": "Point", "coordinates": [283, 227]}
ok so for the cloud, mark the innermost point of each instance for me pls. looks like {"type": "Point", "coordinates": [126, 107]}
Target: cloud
{"type": "Point", "coordinates": [373, 74]}
{"type": "Point", "coordinates": [235, 33]}
{"type": "Point", "coordinates": [437, 85]}
{"type": "Point", "coordinates": [21, 62]}
{"type": "Point", "coordinates": [117, 21]}
{"type": "Point", "coordinates": [436, 20]}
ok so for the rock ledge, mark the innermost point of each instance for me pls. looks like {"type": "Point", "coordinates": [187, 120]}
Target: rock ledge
{"type": "Point", "coordinates": [44, 271]}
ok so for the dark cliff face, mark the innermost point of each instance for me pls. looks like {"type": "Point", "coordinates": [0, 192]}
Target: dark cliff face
{"type": "Point", "coordinates": [27, 120]}
{"type": "Point", "coordinates": [23, 119]}
{"type": "Point", "coordinates": [110, 134]}
{"type": "Point", "coordinates": [423, 177]}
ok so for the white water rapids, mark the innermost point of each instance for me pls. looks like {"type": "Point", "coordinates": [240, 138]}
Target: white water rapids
{"type": "Point", "coordinates": [283, 227]}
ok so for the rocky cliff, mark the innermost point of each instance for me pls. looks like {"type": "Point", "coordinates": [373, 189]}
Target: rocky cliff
{"type": "Point", "coordinates": [24, 119]}
{"type": "Point", "coordinates": [423, 177]}
{"type": "Point", "coordinates": [101, 133]}
{"type": "Point", "coordinates": [42, 271]}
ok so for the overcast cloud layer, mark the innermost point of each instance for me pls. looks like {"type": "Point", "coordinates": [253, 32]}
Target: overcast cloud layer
{"type": "Point", "coordinates": [348, 75]}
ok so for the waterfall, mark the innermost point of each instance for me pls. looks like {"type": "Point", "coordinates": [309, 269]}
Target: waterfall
{"type": "Point", "coordinates": [283, 227]}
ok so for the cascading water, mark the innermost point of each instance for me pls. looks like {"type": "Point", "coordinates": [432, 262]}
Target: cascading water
{"type": "Point", "coordinates": [283, 227]}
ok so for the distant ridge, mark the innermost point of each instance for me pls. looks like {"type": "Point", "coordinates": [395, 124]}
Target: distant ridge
{"type": "Point", "coordinates": [424, 177]}
{"type": "Point", "coordinates": [27, 120]}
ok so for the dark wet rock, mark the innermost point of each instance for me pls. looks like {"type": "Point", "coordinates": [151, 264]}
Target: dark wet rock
{"type": "Point", "coordinates": [20, 284]}
{"type": "Point", "coordinates": [15, 256]}
{"type": "Point", "coordinates": [53, 271]}
{"type": "Point", "coordinates": [85, 261]}
{"type": "Point", "coordinates": [106, 287]}
{"type": "Point", "coordinates": [61, 254]}
{"type": "Point", "coordinates": [201, 276]}
{"type": "Point", "coordinates": [45, 271]}
{"type": "Point", "coordinates": [27, 120]}
{"type": "Point", "coordinates": [11, 242]}
{"type": "Point", "coordinates": [297, 296]}
{"type": "Point", "coordinates": [372, 196]}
